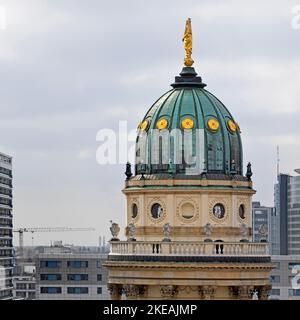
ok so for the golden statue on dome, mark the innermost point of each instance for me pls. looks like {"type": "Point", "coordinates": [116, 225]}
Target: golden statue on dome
{"type": "Point", "coordinates": [188, 43]}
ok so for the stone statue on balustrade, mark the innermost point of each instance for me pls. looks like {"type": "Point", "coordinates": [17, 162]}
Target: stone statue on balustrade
{"type": "Point", "coordinates": [166, 232]}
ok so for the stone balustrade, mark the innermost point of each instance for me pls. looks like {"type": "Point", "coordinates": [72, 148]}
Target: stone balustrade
{"type": "Point", "coordinates": [189, 248]}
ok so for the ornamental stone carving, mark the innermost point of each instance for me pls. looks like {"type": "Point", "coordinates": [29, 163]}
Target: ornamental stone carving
{"type": "Point", "coordinates": [114, 229]}
{"type": "Point", "coordinates": [134, 291]}
{"type": "Point", "coordinates": [245, 292]}
{"type": "Point", "coordinates": [180, 206]}
{"type": "Point", "coordinates": [168, 291]}
{"type": "Point", "coordinates": [114, 290]}
{"type": "Point", "coordinates": [207, 292]}
{"type": "Point", "coordinates": [264, 292]}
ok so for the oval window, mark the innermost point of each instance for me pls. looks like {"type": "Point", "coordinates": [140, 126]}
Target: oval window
{"type": "Point", "coordinates": [187, 211]}
{"type": "Point", "coordinates": [134, 210]}
{"type": "Point", "coordinates": [156, 210]}
{"type": "Point", "coordinates": [219, 210]}
{"type": "Point", "coordinates": [242, 211]}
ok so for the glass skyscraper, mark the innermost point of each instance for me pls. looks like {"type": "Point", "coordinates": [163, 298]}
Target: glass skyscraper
{"type": "Point", "coordinates": [287, 217]}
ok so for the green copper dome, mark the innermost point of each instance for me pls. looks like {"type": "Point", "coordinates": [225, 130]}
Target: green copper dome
{"type": "Point", "coordinates": [212, 135]}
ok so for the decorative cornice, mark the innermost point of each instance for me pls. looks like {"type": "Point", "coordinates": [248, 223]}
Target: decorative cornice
{"type": "Point", "coordinates": [125, 265]}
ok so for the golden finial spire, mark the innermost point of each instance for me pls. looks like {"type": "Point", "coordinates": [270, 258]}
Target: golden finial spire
{"type": "Point", "coordinates": [188, 43]}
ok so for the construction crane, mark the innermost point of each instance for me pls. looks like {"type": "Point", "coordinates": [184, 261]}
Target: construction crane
{"type": "Point", "coordinates": [33, 230]}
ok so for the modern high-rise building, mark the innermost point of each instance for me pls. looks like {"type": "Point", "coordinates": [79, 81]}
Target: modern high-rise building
{"type": "Point", "coordinates": [6, 246]}
{"type": "Point", "coordinates": [287, 206]}
{"type": "Point", "coordinates": [261, 222]}
{"type": "Point", "coordinates": [62, 274]}
{"type": "Point", "coordinates": [189, 203]}
{"type": "Point", "coordinates": [285, 277]}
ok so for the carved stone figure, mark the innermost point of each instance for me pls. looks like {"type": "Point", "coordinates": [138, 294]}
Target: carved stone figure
{"type": "Point", "coordinates": [131, 231]}
{"type": "Point", "coordinates": [166, 231]}
{"type": "Point", "coordinates": [208, 229]}
{"type": "Point", "coordinates": [243, 230]}
{"type": "Point", "coordinates": [128, 172]}
{"type": "Point", "coordinates": [249, 171]}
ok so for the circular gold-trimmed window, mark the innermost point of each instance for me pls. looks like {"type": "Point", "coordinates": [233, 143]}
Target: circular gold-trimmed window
{"type": "Point", "coordinates": [134, 210]}
{"type": "Point", "coordinates": [162, 123]}
{"type": "Point", "coordinates": [213, 124]}
{"type": "Point", "coordinates": [231, 126]}
{"type": "Point", "coordinates": [187, 123]}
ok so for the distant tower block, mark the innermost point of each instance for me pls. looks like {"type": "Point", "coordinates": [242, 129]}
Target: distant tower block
{"type": "Point", "coordinates": [192, 220]}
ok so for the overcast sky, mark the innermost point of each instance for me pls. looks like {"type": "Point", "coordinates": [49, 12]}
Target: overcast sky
{"type": "Point", "coordinates": [71, 67]}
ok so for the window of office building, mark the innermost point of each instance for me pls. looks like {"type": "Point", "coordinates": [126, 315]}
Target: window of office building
{"type": "Point", "coordinates": [295, 265]}
{"type": "Point", "coordinates": [78, 290]}
{"type": "Point", "coordinates": [99, 277]}
{"type": "Point", "coordinates": [31, 286]}
{"type": "Point", "coordinates": [275, 279]}
{"type": "Point", "coordinates": [98, 264]}
{"type": "Point", "coordinates": [21, 286]}
{"type": "Point", "coordinates": [50, 277]}
{"type": "Point", "coordinates": [77, 264]}
{"type": "Point", "coordinates": [50, 264]}
{"type": "Point", "coordinates": [275, 292]}
{"type": "Point", "coordinates": [21, 294]}
{"type": "Point", "coordinates": [51, 290]}
{"type": "Point", "coordinates": [99, 290]}
{"type": "Point", "coordinates": [294, 292]}
{"type": "Point", "coordinates": [78, 277]}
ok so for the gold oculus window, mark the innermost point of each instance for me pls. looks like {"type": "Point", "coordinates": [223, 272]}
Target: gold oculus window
{"type": "Point", "coordinates": [144, 125]}
{"type": "Point", "coordinates": [231, 126]}
{"type": "Point", "coordinates": [162, 124]}
{"type": "Point", "coordinates": [213, 124]}
{"type": "Point", "coordinates": [187, 123]}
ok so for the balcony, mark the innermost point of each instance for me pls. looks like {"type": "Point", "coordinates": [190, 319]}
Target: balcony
{"type": "Point", "coordinates": [188, 249]}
